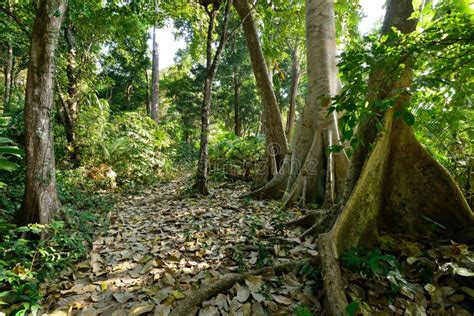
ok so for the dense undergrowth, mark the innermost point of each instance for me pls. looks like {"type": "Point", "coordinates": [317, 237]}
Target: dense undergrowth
{"type": "Point", "coordinates": [26, 262]}
{"type": "Point", "coordinates": [119, 152]}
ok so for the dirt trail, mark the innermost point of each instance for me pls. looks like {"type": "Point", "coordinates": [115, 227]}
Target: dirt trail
{"type": "Point", "coordinates": [160, 246]}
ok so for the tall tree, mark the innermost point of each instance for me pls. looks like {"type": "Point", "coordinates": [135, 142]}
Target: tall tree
{"type": "Point", "coordinates": [311, 171]}
{"type": "Point", "coordinates": [155, 73]}
{"type": "Point", "coordinates": [400, 184]}
{"type": "Point", "coordinates": [41, 199]}
{"type": "Point", "coordinates": [212, 63]}
{"type": "Point", "coordinates": [277, 146]}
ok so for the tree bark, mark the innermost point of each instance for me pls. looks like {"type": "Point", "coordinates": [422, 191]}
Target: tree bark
{"type": "Point", "coordinates": [237, 85]}
{"type": "Point", "coordinates": [148, 101]}
{"type": "Point", "coordinates": [212, 63]}
{"type": "Point", "coordinates": [8, 71]}
{"type": "Point", "coordinates": [295, 79]}
{"type": "Point", "coordinates": [276, 140]}
{"type": "Point", "coordinates": [311, 172]}
{"type": "Point", "coordinates": [41, 200]}
{"type": "Point", "coordinates": [155, 79]}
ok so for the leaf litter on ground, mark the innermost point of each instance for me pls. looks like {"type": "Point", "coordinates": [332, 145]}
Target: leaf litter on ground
{"type": "Point", "coordinates": [161, 245]}
{"type": "Point", "coordinates": [432, 276]}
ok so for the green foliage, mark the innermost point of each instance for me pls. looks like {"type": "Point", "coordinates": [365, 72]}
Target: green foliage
{"type": "Point", "coordinates": [235, 157]}
{"type": "Point", "coordinates": [134, 146]}
{"type": "Point", "coordinates": [7, 151]}
{"type": "Point", "coordinates": [371, 263]}
{"type": "Point", "coordinates": [440, 52]}
{"type": "Point", "coordinates": [130, 143]}
{"type": "Point", "coordinates": [24, 263]}
{"type": "Point", "coordinates": [302, 311]}
{"type": "Point", "coordinates": [26, 260]}
{"type": "Point", "coordinates": [352, 308]}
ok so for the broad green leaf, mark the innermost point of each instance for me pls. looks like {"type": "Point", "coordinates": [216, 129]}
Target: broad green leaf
{"type": "Point", "coordinates": [7, 165]}
{"type": "Point", "coordinates": [352, 308]}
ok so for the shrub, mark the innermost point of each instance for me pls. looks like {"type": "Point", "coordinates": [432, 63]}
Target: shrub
{"type": "Point", "coordinates": [128, 144]}
{"type": "Point", "coordinates": [232, 157]}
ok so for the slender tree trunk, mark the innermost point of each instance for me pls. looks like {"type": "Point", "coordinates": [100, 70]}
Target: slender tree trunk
{"type": "Point", "coordinates": [41, 200]}
{"type": "Point", "coordinates": [237, 120]}
{"type": "Point", "coordinates": [277, 146]}
{"type": "Point", "coordinates": [8, 71]}
{"type": "Point", "coordinates": [148, 101]}
{"type": "Point", "coordinates": [295, 79]}
{"type": "Point", "coordinates": [155, 74]}
{"type": "Point", "coordinates": [311, 172]}
{"type": "Point", "coordinates": [8, 78]}
{"type": "Point", "coordinates": [71, 110]}
{"type": "Point", "coordinates": [188, 126]}
{"type": "Point", "coordinates": [211, 66]}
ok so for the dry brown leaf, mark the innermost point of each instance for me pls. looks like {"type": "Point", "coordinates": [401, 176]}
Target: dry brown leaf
{"type": "Point", "coordinates": [282, 299]}
{"type": "Point", "coordinates": [122, 297]}
{"type": "Point", "coordinates": [243, 294]}
{"type": "Point", "coordinates": [141, 309]}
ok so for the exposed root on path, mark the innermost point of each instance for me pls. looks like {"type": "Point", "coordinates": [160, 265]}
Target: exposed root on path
{"type": "Point", "coordinates": [224, 283]}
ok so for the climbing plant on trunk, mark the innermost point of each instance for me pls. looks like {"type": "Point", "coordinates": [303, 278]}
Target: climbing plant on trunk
{"type": "Point", "coordinates": [41, 201]}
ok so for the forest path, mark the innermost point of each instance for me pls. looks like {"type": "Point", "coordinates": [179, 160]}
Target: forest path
{"type": "Point", "coordinates": [160, 245]}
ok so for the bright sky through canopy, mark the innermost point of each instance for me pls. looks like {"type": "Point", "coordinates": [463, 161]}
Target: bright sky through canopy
{"type": "Point", "coordinates": [373, 11]}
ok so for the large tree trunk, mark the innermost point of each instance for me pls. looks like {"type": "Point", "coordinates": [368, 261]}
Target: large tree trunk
{"type": "Point", "coordinates": [311, 172]}
{"type": "Point", "coordinates": [277, 146]}
{"type": "Point", "coordinates": [211, 66]}
{"type": "Point", "coordinates": [295, 79]}
{"type": "Point", "coordinates": [237, 85]}
{"type": "Point", "coordinates": [400, 184]}
{"type": "Point", "coordinates": [41, 200]}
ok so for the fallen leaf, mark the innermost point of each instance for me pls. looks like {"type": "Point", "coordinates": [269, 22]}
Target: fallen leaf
{"type": "Point", "coordinates": [282, 299]}
{"type": "Point", "coordinates": [122, 297]}
{"type": "Point", "coordinates": [141, 309]}
{"type": "Point", "coordinates": [209, 311]}
{"type": "Point", "coordinates": [243, 294]}
{"type": "Point", "coordinates": [162, 310]}
{"type": "Point", "coordinates": [177, 294]}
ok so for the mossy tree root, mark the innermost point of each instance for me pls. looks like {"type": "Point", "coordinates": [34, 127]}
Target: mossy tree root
{"type": "Point", "coordinates": [400, 186]}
